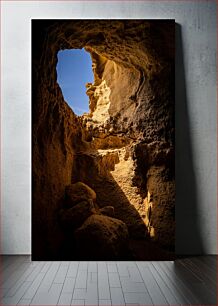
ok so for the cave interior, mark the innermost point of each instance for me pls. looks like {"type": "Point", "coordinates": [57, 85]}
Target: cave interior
{"type": "Point", "coordinates": [103, 183]}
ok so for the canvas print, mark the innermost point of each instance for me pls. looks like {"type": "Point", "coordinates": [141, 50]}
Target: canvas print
{"type": "Point", "coordinates": [103, 140]}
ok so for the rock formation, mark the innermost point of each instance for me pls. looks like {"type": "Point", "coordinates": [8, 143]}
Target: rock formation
{"type": "Point", "coordinates": [92, 231]}
{"type": "Point", "coordinates": [102, 237]}
{"type": "Point", "coordinates": [78, 192]}
{"type": "Point", "coordinates": [123, 148]}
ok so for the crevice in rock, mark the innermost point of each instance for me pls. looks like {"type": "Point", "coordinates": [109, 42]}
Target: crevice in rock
{"type": "Point", "coordinates": [123, 148]}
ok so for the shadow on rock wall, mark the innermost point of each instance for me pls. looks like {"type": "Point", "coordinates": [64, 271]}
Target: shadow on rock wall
{"type": "Point", "coordinates": [93, 246]}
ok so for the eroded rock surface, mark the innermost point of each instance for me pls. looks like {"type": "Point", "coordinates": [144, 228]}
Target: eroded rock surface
{"type": "Point", "coordinates": [78, 192]}
{"type": "Point", "coordinates": [102, 237]}
{"type": "Point", "coordinates": [74, 217]}
{"type": "Point", "coordinates": [124, 147]}
{"type": "Point", "coordinates": [107, 211]}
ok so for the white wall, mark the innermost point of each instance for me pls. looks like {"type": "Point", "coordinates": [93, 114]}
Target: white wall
{"type": "Point", "coordinates": [195, 112]}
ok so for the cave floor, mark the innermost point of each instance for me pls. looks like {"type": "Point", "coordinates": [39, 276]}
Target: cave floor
{"type": "Point", "coordinates": [186, 281]}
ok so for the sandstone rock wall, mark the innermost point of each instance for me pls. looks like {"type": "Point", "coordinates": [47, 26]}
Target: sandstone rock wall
{"type": "Point", "coordinates": [124, 148]}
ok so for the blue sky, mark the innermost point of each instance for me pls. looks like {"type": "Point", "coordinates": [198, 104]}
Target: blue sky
{"type": "Point", "coordinates": [74, 70]}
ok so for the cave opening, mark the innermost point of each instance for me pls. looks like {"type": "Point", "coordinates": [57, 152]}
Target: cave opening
{"type": "Point", "coordinates": [74, 71]}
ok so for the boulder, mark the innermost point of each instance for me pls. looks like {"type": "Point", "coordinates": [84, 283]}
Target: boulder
{"type": "Point", "coordinates": [78, 192]}
{"type": "Point", "coordinates": [107, 211]}
{"type": "Point", "coordinates": [102, 238]}
{"type": "Point", "coordinates": [74, 217]}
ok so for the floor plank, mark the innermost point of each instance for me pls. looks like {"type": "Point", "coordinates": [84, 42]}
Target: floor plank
{"type": "Point", "coordinates": [187, 281]}
{"type": "Point", "coordinates": [29, 276]}
{"type": "Point", "coordinates": [16, 274]}
{"type": "Point", "coordinates": [203, 268]}
{"type": "Point", "coordinates": [151, 284]}
{"type": "Point", "coordinates": [179, 282]}
{"type": "Point", "coordinates": [104, 302]}
{"type": "Point", "coordinates": [48, 298]}
{"type": "Point", "coordinates": [49, 278]}
{"type": "Point", "coordinates": [114, 280]}
{"type": "Point", "coordinates": [204, 290]}
{"type": "Point", "coordinates": [65, 299]}
{"type": "Point", "coordinates": [168, 292]}
{"type": "Point", "coordinates": [117, 297]}
{"type": "Point", "coordinates": [69, 285]}
{"type": "Point", "coordinates": [169, 281]}
{"type": "Point", "coordinates": [140, 298]}
{"type": "Point", "coordinates": [17, 263]}
{"type": "Point", "coordinates": [18, 295]}
{"type": "Point", "coordinates": [103, 282]}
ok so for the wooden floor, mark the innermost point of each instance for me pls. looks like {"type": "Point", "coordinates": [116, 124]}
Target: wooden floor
{"type": "Point", "coordinates": [187, 281]}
